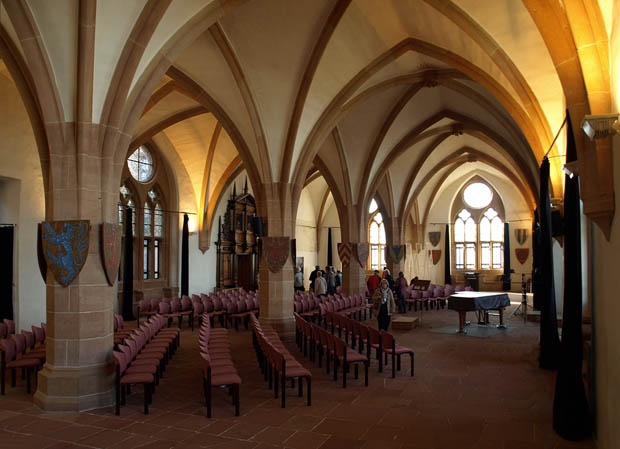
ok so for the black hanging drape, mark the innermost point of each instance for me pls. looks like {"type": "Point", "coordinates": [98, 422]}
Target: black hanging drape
{"type": "Point", "coordinates": [6, 274]}
{"type": "Point", "coordinates": [446, 257]}
{"type": "Point", "coordinates": [128, 267]}
{"type": "Point", "coordinates": [185, 257]}
{"type": "Point", "coordinates": [571, 414]}
{"type": "Point", "coordinates": [549, 339]}
{"type": "Point", "coordinates": [536, 261]}
{"type": "Point", "coordinates": [329, 247]}
{"type": "Point", "coordinates": [506, 284]}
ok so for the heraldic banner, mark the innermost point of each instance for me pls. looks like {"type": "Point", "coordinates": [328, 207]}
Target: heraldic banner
{"type": "Point", "coordinates": [111, 249]}
{"type": "Point", "coordinates": [522, 254]}
{"type": "Point", "coordinates": [434, 237]}
{"type": "Point", "coordinates": [362, 250]}
{"type": "Point", "coordinates": [344, 252]}
{"type": "Point", "coordinates": [65, 248]}
{"type": "Point", "coordinates": [395, 253]}
{"type": "Point", "coordinates": [521, 235]}
{"type": "Point", "coordinates": [436, 253]}
{"type": "Point", "coordinates": [276, 251]}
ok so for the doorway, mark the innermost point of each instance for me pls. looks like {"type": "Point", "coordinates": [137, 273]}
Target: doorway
{"type": "Point", "coordinates": [6, 271]}
{"type": "Point", "coordinates": [245, 272]}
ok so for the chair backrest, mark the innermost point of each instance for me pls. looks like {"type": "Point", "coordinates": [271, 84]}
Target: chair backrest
{"type": "Point", "coordinates": [155, 304]}
{"type": "Point", "coordinates": [39, 334]}
{"type": "Point", "coordinates": [387, 339]}
{"type": "Point", "coordinates": [120, 359]}
{"type": "Point", "coordinates": [186, 303]}
{"type": "Point", "coordinates": [126, 350]}
{"type": "Point", "coordinates": [363, 331]}
{"type": "Point", "coordinates": [8, 349]}
{"type": "Point", "coordinates": [217, 303]}
{"type": "Point", "coordinates": [175, 305]}
{"type": "Point", "coordinates": [20, 343]}
{"type": "Point", "coordinates": [339, 346]}
{"type": "Point", "coordinates": [459, 288]}
{"type": "Point", "coordinates": [29, 336]}
{"type": "Point", "coordinates": [198, 308]}
{"type": "Point", "coordinates": [4, 330]}
{"type": "Point", "coordinates": [10, 325]}
{"type": "Point", "coordinates": [374, 337]}
{"type": "Point", "coordinates": [164, 308]}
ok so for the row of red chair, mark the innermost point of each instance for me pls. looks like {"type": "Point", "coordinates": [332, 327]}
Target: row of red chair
{"type": "Point", "coordinates": [218, 367]}
{"type": "Point", "coordinates": [229, 311]}
{"type": "Point", "coordinates": [362, 337]}
{"type": "Point", "coordinates": [7, 327]}
{"type": "Point", "coordinates": [276, 362]}
{"type": "Point", "coordinates": [313, 307]}
{"type": "Point", "coordinates": [312, 337]}
{"type": "Point", "coordinates": [141, 359]}
{"type": "Point", "coordinates": [25, 351]}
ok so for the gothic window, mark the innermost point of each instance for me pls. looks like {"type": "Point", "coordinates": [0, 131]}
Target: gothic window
{"type": "Point", "coordinates": [153, 235]}
{"type": "Point", "coordinates": [126, 200]}
{"type": "Point", "coordinates": [140, 164]}
{"type": "Point", "coordinates": [478, 245]}
{"type": "Point", "coordinates": [376, 237]}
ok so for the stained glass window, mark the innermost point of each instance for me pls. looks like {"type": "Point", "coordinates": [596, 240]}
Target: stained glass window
{"type": "Point", "coordinates": [148, 220]}
{"type": "Point", "coordinates": [140, 164]}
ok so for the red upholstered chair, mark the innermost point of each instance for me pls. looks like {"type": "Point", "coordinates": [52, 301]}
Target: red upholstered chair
{"type": "Point", "coordinates": [165, 310]}
{"type": "Point", "coordinates": [124, 380]}
{"type": "Point", "coordinates": [345, 356]}
{"type": "Point", "coordinates": [10, 325]}
{"type": "Point", "coordinates": [286, 368]}
{"type": "Point", "coordinates": [186, 310]}
{"type": "Point", "coordinates": [374, 339]}
{"type": "Point", "coordinates": [4, 330]}
{"type": "Point", "coordinates": [214, 378]}
{"type": "Point", "coordinates": [9, 361]}
{"type": "Point", "coordinates": [390, 347]}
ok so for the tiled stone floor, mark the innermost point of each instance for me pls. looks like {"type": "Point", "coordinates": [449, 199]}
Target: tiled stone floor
{"type": "Point", "coordinates": [467, 393]}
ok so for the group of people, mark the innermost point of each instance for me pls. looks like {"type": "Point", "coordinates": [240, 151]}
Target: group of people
{"type": "Point", "coordinates": [382, 289]}
{"type": "Point", "coordinates": [322, 282]}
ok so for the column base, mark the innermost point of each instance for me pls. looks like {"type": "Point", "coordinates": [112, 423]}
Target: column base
{"type": "Point", "coordinates": [285, 327]}
{"type": "Point", "coordinates": [75, 389]}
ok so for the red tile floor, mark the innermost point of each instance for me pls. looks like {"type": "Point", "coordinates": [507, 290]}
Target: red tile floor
{"type": "Point", "coordinates": [467, 393]}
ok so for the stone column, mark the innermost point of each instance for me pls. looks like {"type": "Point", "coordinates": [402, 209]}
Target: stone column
{"type": "Point", "coordinates": [78, 373]}
{"type": "Point", "coordinates": [354, 278]}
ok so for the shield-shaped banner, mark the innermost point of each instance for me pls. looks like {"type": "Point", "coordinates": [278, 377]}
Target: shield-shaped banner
{"type": "Point", "coordinates": [344, 252]}
{"type": "Point", "coordinates": [522, 254]}
{"type": "Point", "coordinates": [276, 252]}
{"type": "Point", "coordinates": [434, 237]}
{"type": "Point", "coordinates": [521, 235]}
{"type": "Point", "coordinates": [111, 250]}
{"type": "Point", "coordinates": [436, 256]}
{"type": "Point", "coordinates": [65, 248]}
{"type": "Point", "coordinates": [362, 251]}
{"type": "Point", "coordinates": [395, 253]}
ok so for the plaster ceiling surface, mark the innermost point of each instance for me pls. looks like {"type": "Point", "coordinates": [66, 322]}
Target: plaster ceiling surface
{"type": "Point", "coordinates": [316, 190]}
{"type": "Point", "coordinates": [5, 72]}
{"type": "Point", "coordinates": [360, 128]}
{"type": "Point", "coordinates": [225, 152]}
{"type": "Point", "coordinates": [56, 21]}
{"type": "Point", "coordinates": [174, 102]}
{"type": "Point", "coordinates": [273, 40]}
{"type": "Point", "coordinates": [191, 139]}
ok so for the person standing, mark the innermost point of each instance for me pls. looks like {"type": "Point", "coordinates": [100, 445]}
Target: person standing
{"type": "Point", "coordinates": [298, 280]}
{"type": "Point", "coordinates": [313, 276]}
{"type": "Point", "coordinates": [373, 282]}
{"type": "Point", "coordinates": [401, 289]}
{"type": "Point", "coordinates": [388, 277]}
{"type": "Point", "coordinates": [320, 285]}
{"type": "Point", "coordinates": [331, 280]}
{"type": "Point", "coordinates": [383, 303]}
{"type": "Point", "coordinates": [338, 278]}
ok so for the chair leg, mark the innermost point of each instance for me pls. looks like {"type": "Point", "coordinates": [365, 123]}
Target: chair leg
{"type": "Point", "coordinates": [393, 365]}
{"type": "Point", "coordinates": [2, 380]}
{"type": "Point", "coordinates": [13, 378]}
{"type": "Point", "coordinates": [276, 386]}
{"type": "Point", "coordinates": [146, 398]}
{"type": "Point", "coordinates": [398, 363]}
{"type": "Point", "coordinates": [344, 375]}
{"type": "Point", "coordinates": [300, 387]}
{"type": "Point", "coordinates": [309, 388]}
{"type": "Point", "coordinates": [28, 380]}
{"type": "Point", "coordinates": [366, 373]}
{"type": "Point", "coordinates": [283, 391]}
{"type": "Point", "coordinates": [335, 368]}
{"type": "Point", "coordinates": [208, 394]}
{"type": "Point", "coordinates": [356, 371]}
{"type": "Point", "coordinates": [380, 357]}
{"type": "Point", "coordinates": [412, 364]}
{"type": "Point", "coordinates": [236, 398]}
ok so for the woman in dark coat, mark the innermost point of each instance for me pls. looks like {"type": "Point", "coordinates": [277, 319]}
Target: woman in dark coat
{"type": "Point", "coordinates": [384, 304]}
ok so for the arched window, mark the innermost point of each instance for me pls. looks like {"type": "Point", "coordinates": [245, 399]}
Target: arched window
{"type": "Point", "coordinates": [479, 245]}
{"type": "Point", "coordinates": [376, 237]}
{"type": "Point", "coordinates": [153, 236]}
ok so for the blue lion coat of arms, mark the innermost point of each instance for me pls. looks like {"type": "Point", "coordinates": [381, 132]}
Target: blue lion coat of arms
{"type": "Point", "coordinates": [65, 248]}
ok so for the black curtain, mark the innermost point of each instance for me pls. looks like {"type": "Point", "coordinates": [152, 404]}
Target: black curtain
{"type": "Point", "coordinates": [536, 261]}
{"type": "Point", "coordinates": [128, 267]}
{"type": "Point", "coordinates": [506, 284]}
{"type": "Point", "coordinates": [6, 273]}
{"type": "Point", "coordinates": [549, 339]}
{"type": "Point", "coordinates": [329, 247]}
{"type": "Point", "coordinates": [446, 257]}
{"type": "Point", "coordinates": [571, 414]}
{"type": "Point", "coordinates": [185, 257]}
